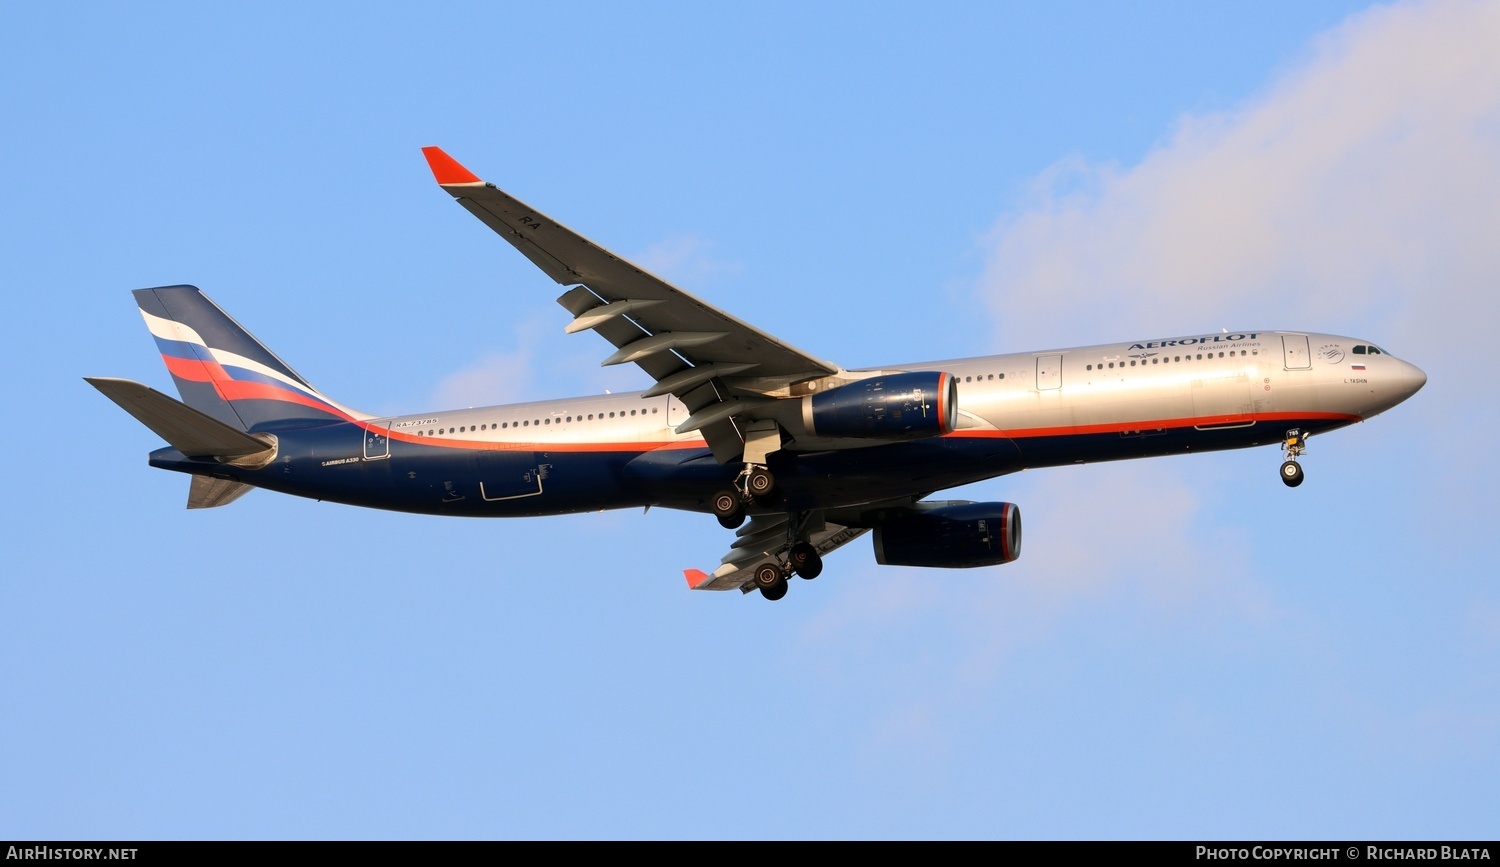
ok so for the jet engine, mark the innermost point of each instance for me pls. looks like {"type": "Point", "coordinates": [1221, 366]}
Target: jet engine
{"type": "Point", "coordinates": [897, 406]}
{"type": "Point", "coordinates": [951, 536]}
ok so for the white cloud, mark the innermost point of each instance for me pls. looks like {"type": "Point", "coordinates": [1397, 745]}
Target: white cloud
{"type": "Point", "coordinates": [501, 377]}
{"type": "Point", "coordinates": [685, 260]}
{"type": "Point", "coordinates": [1357, 192]}
{"type": "Point", "coordinates": [498, 378]}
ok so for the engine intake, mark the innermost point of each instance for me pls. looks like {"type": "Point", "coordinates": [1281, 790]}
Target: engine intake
{"type": "Point", "coordinates": [897, 406]}
{"type": "Point", "coordinates": [953, 536]}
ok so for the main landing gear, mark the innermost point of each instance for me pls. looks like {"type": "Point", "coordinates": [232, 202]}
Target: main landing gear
{"type": "Point", "coordinates": [1294, 445]}
{"type": "Point", "coordinates": [802, 560]}
{"type": "Point", "coordinates": [754, 481]}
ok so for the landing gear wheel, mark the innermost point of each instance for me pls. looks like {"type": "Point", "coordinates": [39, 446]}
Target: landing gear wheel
{"type": "Point", "coordinates": [770, 581]}
{"type": "Point", "coordinates": [1291, 473]}
{"type": "Point", "coordinates": [760, 482]}
{"type": "Point", "coordinates": [775, 591]}
{"type": "Point", "coordinates": [804, 560]}
{"type": "Point", "coordinates": [728, 510]}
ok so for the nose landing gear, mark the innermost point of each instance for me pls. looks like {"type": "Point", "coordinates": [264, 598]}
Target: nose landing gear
{"type": "Point", "coordinates": [1294, 444]}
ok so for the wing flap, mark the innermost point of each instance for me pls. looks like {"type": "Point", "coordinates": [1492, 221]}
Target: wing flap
{"type": "Point", "coordinates": [759, 540]}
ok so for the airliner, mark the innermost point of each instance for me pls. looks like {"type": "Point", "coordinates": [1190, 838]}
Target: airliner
{"type": "Point", "coordinates": [798, 455]}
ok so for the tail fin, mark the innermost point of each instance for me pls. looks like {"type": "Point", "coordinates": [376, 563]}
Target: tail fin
{"type": "Point", "coordinates": [223, 371]}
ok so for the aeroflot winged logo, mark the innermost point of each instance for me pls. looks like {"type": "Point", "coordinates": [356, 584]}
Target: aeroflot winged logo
{"type": "Point", "coordinates": [1196, 341]}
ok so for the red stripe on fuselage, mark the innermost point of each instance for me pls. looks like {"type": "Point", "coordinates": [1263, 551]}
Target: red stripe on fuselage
{"type": "Point", "coordinates": [1157, 424]}
{"type": "Point", "coordinates": [511, 445]}
{"type": "Point", "coordinates": [1018, 433]}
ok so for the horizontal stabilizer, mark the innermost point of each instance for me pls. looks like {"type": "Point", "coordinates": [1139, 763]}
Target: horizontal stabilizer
{"type": "Point", "coordinates": [195, 434]}
{"type": "Point", "coordinates": [208, 492]}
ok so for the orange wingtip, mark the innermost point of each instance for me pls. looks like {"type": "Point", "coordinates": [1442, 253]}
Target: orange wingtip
{"type": "Point", "coordinates": [446, 169]}
{"type": "Point", "coordinates": [696, 578]}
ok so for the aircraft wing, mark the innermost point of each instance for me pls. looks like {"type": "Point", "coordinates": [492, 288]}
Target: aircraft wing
{"type": "Point", "coordinates": [759, 540]}
{"type": "Point", "coordinates": [719, 366]}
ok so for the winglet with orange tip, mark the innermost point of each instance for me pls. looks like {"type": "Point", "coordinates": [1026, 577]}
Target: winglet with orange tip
{"type": "Point", "coordinates": [696, 578]}
{"type": "Point", "coordinates": [447, 170]}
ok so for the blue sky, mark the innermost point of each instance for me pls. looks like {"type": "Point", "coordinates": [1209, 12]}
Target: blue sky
{"type": "Point", "coordinates": [1186, 649]}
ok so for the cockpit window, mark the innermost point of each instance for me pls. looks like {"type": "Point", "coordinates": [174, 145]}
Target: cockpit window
{"type": "Point", "coordinates": [1360, 350]}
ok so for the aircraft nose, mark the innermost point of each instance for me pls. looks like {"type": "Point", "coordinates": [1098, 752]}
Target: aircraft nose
{"type": "Point", "coordinates": [1412, 379]}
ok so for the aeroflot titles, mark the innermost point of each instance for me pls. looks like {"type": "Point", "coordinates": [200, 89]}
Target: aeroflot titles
{"type": "Point", "coordinates": [1194, 341]}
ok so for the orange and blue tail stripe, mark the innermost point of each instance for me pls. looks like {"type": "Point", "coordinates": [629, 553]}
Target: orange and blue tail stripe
{"type": "Point", "coordinates": [222, 370]}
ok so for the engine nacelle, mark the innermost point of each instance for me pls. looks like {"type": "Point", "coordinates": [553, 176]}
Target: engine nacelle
{"type": "Point", "coordinates": [896, 406]}
{"type": "Point", "coordinates": [955, 536]}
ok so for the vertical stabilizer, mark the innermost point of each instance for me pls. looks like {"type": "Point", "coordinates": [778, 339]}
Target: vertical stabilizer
{"type": "Point", "coordinates": [223, 371]}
